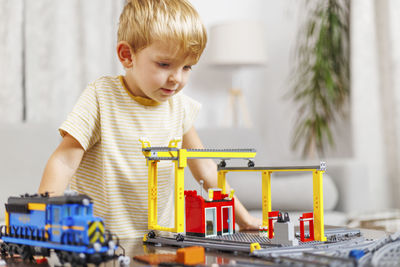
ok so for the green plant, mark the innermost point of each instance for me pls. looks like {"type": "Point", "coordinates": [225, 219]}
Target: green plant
{"type": "Point", "coordinates": [320, 81]}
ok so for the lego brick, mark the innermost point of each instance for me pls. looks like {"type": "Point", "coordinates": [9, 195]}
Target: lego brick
{"type": "Point", "coordinates": [284, 234]}
{"type": "Point", "coordinates": [190, 255]}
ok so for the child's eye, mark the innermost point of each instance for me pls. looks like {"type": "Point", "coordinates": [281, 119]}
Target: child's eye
{"type": "Point", "coordinates": [187, 67]}
{"type": "Point", "coordinates": [163, 65]}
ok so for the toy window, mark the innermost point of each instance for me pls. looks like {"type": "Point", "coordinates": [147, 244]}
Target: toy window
{"type": "Point", "coordinates": [77, 210]}
{"type": "Point", "coordinates": [67, 211]}
{"type": "Point", "coordinates": [211, 221]}
{"type": "Point", "coordinates": [227, 227]}
{"type": "Point", "coordinates": [56, 215]}
{"type": "Point", "coordinates": [80, 210]}
{"type": "Point", "coordinates": [48, 214]}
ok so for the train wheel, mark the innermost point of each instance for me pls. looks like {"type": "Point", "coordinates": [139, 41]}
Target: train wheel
{"type": "Point", "coordinates": [64, 257]}
{"type": "Point", "coordinates": [13, 249]}
{"type": "Point", "coordinates": [4, 249]}
{"type": "Point", "coordinates": [79, 259]}
{"type": "Point", "coordinates": [67, 257]}
{"type": "Point", "coordinates": [26, 253]}
{"type": "Point", "coordinates": [60, 257]}
{"type": "Point", "coordinates": [95, 258]}
{"type": "Point", "coordinates": [44, 252]}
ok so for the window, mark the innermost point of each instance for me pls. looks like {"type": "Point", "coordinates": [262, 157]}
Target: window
{"type": "Point", "coordinates": [67, 211]}
{"type": "Point", "coordinates": [48, 214]}
{"type": "Point", "coordinates": [56, 214]}
{"type": "Point", "coordinates": [211, 222]}
{"type": "Point", "coordinates": [227, 227]}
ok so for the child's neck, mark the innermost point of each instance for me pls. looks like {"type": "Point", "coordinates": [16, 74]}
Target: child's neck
{"type": "Point", "coordinates": [145, 101]}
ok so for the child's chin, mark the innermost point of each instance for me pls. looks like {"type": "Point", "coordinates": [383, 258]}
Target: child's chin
{"type": "Point", "coordinates": [163, 98]}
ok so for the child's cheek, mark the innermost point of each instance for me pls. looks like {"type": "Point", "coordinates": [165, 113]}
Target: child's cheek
{"type": "Point", "coordinates": [185, 79]}
{"type": "Point", "coordinates": [163, 79]}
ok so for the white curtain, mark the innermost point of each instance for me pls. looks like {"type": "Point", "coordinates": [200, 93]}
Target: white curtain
{"type": "Point", "coordinates": [375, 95]}
{"type": "Point", "coordinates": [49, 51]}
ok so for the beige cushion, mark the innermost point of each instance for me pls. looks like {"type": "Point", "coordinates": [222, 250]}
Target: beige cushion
{"type": "Point", "coordinates": [289, 192]}
{"type": "Point", "coordinates": [334, 218]}
{"type": "Point", "coordinates": [25, 149]}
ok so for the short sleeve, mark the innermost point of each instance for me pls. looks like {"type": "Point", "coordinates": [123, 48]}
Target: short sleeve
{"type": "Point", "coordinates": [191, 110]}
{"type": "Point", "coordinates": [83, 123]}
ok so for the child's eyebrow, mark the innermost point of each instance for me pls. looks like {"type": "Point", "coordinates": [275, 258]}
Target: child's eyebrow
{"type": "Point", "coordinates": [168, 58]}
{"type": "Point", "coordinates": [164, 58]}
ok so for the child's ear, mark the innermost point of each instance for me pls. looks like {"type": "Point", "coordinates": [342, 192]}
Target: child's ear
{"type": "Point", "coordinates": [124, 52]}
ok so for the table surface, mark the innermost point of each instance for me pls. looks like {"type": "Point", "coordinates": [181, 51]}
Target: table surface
{"type": "Point", "coordinates": [135, 247]}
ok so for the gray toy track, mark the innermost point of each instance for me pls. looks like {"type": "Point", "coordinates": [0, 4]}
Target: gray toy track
{"type": "Point", "coordinates": [345, 247]}
{"type": "Point", "coordinates": [381, 252]}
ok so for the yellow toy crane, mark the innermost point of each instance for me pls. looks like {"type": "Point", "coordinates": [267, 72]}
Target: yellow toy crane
{"type": "Point", "coordinates": [180, 156]}
{"type": "Point", "coordinates": [317, 172]}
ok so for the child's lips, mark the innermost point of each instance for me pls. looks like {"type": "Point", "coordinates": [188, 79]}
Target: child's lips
{"type": "Point", "coordinates": [167, 91]}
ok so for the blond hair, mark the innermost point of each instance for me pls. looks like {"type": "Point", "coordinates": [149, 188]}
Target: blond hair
{"type": "Point", "coordinates": [144, 21]}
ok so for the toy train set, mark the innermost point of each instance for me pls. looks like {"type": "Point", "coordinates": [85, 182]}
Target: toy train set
{"type": "Point", "coordinates": [210, 222]}
{"type": "Point", "coordinates": [38, 224]}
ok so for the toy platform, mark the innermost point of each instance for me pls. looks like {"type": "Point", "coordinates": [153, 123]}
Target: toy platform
{"type": "Point", "coordinates": [241, 242]}
{"type": "Point", "coordinates": [344, 247]}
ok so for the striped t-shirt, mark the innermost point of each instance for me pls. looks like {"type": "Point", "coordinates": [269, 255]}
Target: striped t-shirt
{"type": "Point", "coordinates": [108, 121]}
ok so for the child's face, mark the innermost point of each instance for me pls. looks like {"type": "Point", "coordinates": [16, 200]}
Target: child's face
{"type": "Point", "coordinates": [159, 71]}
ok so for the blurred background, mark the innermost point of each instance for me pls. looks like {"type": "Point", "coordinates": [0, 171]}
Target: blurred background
{"type": "Point", "coordinates": [347, 93]}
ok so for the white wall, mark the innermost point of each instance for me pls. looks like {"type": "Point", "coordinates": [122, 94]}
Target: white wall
{"type": "Point", "coordinates": [366, 105]}
{"type": "Point", "coordinates": [64, 50]}
{"type": "Point", "coordinates": [265, 89]}
{"type": "Point", "coordinates": [49, 51]}
{"type": "Point", "coordinates": [54, 78]}
{"type": "Point", "coordinates": [394, 65]}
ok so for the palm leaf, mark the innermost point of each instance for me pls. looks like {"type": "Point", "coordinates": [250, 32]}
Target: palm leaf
{"type": "Point", "coordinates": [320, 78]}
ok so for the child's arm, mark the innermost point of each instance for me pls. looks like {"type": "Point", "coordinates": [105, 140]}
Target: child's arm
{"type": "Point", "coordinates": [61, 166]}
{"type": "Point", "coordinates": [206, 170]}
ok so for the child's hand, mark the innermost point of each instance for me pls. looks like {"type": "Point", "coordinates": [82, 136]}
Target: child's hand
{"type": "Point", "coordinates": [250, 223]}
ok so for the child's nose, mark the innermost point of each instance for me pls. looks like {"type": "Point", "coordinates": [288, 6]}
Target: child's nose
{"type": "Point", "coordinates": [175, 77]}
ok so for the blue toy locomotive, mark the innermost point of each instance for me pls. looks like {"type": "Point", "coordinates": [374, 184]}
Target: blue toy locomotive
{"type": "Point", "coordinates": [37, 224]}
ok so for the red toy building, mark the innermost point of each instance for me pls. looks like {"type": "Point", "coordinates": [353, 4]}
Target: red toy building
{"type": "Point", "coordinates": [307, 217]}
{"type": "Point", "coordinates": [209, 217]}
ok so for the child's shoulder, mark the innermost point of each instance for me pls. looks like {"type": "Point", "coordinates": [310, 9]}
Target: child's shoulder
{"type": "Point", "coordinates": [106, 82]}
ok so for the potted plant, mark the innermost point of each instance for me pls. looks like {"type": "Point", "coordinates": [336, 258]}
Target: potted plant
{"type": "Point", "coordinates": [320, 77]}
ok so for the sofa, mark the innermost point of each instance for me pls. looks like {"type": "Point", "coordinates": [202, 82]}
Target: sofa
{"type": "Point", "coordinates": [26, 147]}
{"type": "Point", "coordinates": [291, 192]}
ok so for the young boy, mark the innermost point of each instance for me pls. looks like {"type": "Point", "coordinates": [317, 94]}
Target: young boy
{"type": "Point", "coordinates": [100, 154]}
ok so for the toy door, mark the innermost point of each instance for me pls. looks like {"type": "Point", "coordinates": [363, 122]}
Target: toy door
{"type": "Point", "coordinates": [227, 227]}
{"type": "Point", "coordinates": [211, 221]}
{"type": "Point", "coordinates": [55, 227]}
